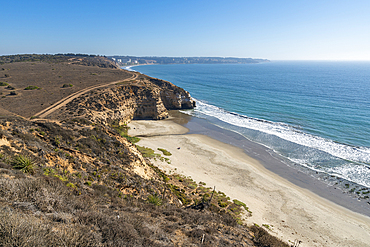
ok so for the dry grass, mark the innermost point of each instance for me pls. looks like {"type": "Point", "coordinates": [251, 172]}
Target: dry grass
{"type": "Point", "coordinates": [49, 77]}
{"type": "Point", "coordinates": [83, 193]}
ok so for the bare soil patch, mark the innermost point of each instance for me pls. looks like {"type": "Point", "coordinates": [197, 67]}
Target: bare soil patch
{"type": "Point", "coordinates": [49, 78]}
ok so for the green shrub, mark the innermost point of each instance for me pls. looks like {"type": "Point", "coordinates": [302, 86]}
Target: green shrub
{"type": "Point", "coordinates": [49, 171]}
{"type": "Point", "coordinates": [32, 88]}
{"type": "Point", "coordinates": [3, 84]}
{"type": "Point", "coordinates": [77, 174]}
{"type": "Point", "coordinates": [192, 185]}
{"type": "Point", "coordinates": [56, 141]}
{"type": "Point", "coordinates": [63, 178]}
{"type": "Point", "coordinates": [23, 163]}
{"type": "Point", "coordinates": [222, 203]}
{"type": "Point", "coordinates": [155, 199]}
{"type": "Point", "coordinates": [239, 203]}
{"type": "Point", "coordinates": [164, 151]}
{"type": "Point", "coordinates": [266, 226]}
{"type": "Point", "coordinates": [122, 130]}
{"type": "Point", "coordinates": [132, 139]}
{"type": "Point", "coordinates": [67, 85]}
{"type": "Point", "coordinates": [179, 194]}
{"type": "Point", "coordinates": [72, 185]}
{"type": "Point", "coordinates": [146, 152]}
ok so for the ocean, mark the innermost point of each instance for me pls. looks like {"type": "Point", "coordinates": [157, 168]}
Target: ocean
{"type": "Point", "coordinates": [314, 115]}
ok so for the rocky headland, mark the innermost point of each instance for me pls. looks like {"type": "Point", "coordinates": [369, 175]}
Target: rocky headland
{"type": "Point", "coordinates": [142, 98]}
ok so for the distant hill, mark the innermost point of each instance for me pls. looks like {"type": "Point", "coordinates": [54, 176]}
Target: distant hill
{"type": "Point", "coordinates": [70, 58]}
{"type": "Point", "coordinates": [130, 60]}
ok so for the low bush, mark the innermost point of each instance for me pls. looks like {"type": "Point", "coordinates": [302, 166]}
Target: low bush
{"type": "Point", "coordinates": [239, 203]}
{"type": "Point", "coordinates": [155, 199]}
{"type": "Point", "coordinates": [164, 151]}
{"type": "Point", "coordinates": [67, 85]}
{"type": "Point", "coordinates": [3, 84]}
{"type": "Point", "coordinates": [23, 163]}
{"type": "Point", "coordinates": [146, 152]}
{"type": "Point", "coordinates": [122, 130]}
{"type": "Point", "coordinates": [32, 88]}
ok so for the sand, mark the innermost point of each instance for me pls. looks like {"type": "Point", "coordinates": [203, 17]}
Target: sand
{"type": "Point", "coordinates": [292, 213]}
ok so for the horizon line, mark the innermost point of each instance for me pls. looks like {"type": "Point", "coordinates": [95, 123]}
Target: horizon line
{"type": "Point", "coordinates": [271, 60]}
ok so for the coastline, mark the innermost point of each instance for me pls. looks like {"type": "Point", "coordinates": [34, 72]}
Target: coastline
{"type": "Point", "coordinates": [128, 67]}
{"type": "Point", "coordinates": [274, 163]}
{"type": "Point", "coordinates": [291, 211]}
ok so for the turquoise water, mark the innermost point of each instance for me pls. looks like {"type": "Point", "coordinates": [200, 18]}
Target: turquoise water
{"type": "Point", "coordinates": [315, 114]}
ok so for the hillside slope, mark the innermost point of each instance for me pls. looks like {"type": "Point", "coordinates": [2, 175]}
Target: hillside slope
{"type": "Point", "coordinates": [78, 179]}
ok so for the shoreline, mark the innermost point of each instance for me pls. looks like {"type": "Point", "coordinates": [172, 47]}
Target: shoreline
{"type": "Point", "coordinates": [274, 163]}
{"type": "Point", "coordinates": [291, 211]}
{"type": "Point", "coordinates": [128, 67]}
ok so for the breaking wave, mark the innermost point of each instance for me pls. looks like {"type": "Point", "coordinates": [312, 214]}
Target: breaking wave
{"type": "Point", "coordinates": [314, 152]}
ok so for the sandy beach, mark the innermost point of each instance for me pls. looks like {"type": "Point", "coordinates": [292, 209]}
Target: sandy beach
{"type": "Point", "coordinates": [291, 212]}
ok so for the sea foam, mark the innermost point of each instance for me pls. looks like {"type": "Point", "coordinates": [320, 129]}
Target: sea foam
{"type": "Point", "coordinates": [287, 132]}
{"type": "Point", "coordinates": [351, 163]}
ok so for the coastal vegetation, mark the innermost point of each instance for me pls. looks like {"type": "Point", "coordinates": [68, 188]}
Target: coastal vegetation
{"type": "Point", "coordinates": [122, 130]}
{"type": "Point", "coordinates": [164, 151]}
{"type": "Point", "coordinates": [32, 88]}
{"type": "Point", "coordinates": [67, 85]}
{"type": "Point", "coordinates": [23, 163]}
{"type": "Point", "coordinates": [76, 176]}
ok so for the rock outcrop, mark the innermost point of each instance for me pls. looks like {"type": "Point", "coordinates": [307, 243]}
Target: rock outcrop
{"type": "Point", "coordinates": [145, 98]}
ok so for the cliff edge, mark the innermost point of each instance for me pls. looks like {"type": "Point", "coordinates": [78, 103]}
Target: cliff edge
{"type": "Point", "coordinates": [141, 98]}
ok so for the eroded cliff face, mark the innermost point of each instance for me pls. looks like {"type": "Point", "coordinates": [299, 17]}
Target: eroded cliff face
{"type": "Point", "coordinates": [173, 97]}
{"type": "Point", "coordinates": [144, 98]}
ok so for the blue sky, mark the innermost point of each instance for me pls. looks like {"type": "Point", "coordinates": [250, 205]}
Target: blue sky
{"type": "Point", "coordinates": [271, 29]}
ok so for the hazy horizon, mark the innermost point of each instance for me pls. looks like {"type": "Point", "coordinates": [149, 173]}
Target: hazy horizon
{"type": "Point", "coordinates": [275, 30]}
{"type": "Point", "coordinates": [123, 55]}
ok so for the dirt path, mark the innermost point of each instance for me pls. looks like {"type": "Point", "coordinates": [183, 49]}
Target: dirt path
{"type": "Point", "coordinates": [63, 102]}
